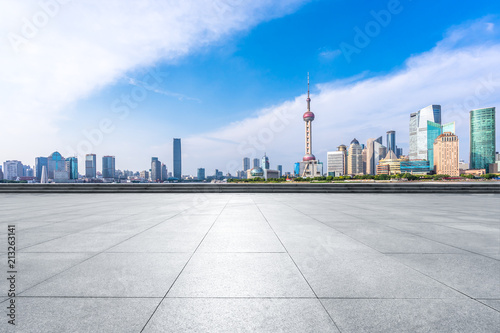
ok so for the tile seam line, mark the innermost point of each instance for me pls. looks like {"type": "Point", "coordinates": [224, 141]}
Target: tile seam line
{"type": "Point", "coordinates": [185, 265]}
{"type": "Point", "coordinates": [412, 268]}
{"type": "Point", "coordinates": [296, 266]}
{"type": "Point", "coordinates": [93, 256]}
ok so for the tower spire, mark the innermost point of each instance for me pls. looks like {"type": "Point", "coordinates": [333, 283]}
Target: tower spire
{"type": "Point", "coordinates": [308, 98]}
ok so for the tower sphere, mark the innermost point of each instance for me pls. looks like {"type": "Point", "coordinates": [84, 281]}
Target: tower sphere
{"type": "Point", "coordinates": [308, 116]}
{"type": "Point", "coordinates": [257, 172]}
{"type": "Point", "coordinates": [308, 157]}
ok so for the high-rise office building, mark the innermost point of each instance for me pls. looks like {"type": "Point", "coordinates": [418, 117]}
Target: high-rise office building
{"type": "Point", "coordinates": [72, 167]}
{"type": "Point", "coordinates": [56, 163]}
{"type": "Point", "coordinates": [164, 172]}
{"type": "Point", "coordinates": [382, 151]}
{"type": "Point", "coordinates": [1, 173]}
{"type": "Point", "coordinates": [39, 163]}
{"type": "Point", "coordinates": [280, 170]}
{"type": "Point", "coordinates": [446, 155]}
{"type": "Point", "coordinates": [177, 159]}
{"type": "Point", "coordinates": [90, 166]}
{"type": "Point", "coordinates": [391, 141]}
{"type": "Point", "coordinates": [12, 170]}
{"type": "Point", "coordinates": [108, 167]}
{"type": "Point", "coordinates": [355, 159]}
{"type": "Point", "coordinates": [373, 155]}
{"type": "Point", "coordinates": [155, 169]}
{"type": "Point", "coordinates": [246, 163]}
{"type": "Point", "coordinates": [399, 152]}
{"type": "Point", "coordinates": [44, 178]}
{"type": "Point", "coordinates": [418, 130]}
{"type": "Point", "coordinates": [201, 173]}
{"type": "Point", "coordinates": [433, 131]}
{"type": "Point", "coordinates": [256, 163]}
{"type": "Point", "coordinates": [264, 162]}
{"type": "Point", "coordinates": [337, 162]}
{"type": "Point", "coordinates": [482, 138]}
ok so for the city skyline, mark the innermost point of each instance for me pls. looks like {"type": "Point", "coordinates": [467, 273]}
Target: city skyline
{"type": "Point", "coordinates": [355, 94]}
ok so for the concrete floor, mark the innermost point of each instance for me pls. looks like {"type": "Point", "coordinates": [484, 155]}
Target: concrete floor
{"type": "Point", "coordinates": [254, 262]}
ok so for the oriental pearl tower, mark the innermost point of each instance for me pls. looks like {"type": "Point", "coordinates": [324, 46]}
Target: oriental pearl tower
{"type": "Point", "coordinates": [308, 119]}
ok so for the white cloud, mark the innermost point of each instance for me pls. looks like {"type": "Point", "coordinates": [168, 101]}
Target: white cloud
{"type": "Point", "coordinates": [55, 52]}
{"type": "Point", "coordinates": [460, 78]}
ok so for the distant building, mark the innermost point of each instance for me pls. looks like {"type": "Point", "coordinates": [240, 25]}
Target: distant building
{"type": "Point", "coordinates": [280, 169]}
{"type": "Point", "coordinates": [446, 155]}
{"type": "Point", "coordinates": [56, 163]}
{"type": "Point", "coordinates": [155, 169]}
{"type": "Point", "coordinates": [415, 167]}
{"type": "Point", "coordinates": [390, 165]}
{"type": "Point", "coordinates": [44, 177]}
{"type": "Point", "coordinates": [108, 167]}
{"type": "Point", "coordinates": [266, 174]}
{"type": "Point", "coordinates": [433, 131]}
{"type": "Point", "coordinates": [12, 170]}
{"type": "Point", "coordinates": [399, 152]}
{"type": "Point", "coordinates": [1, 173]}
{"type": "Point", "coordinates": [475, 172]}
{"type": "Point", "coordinates": [264, 164]}
{"type": "Point", "coordinates": [373, 155]}
{"type": "Point", "coordinates": [61, 176]}
{"type": "Point", "coordinates": [39, 163]}
{"type": "Point", "coordinates": [391, 141]}
{"type": "Point", "coordinates": [201, 173]}
{"type": "Point", "coordinates": [72, 167]}
{"type": "Point", "coordinates": [246, 163]}
{"type": "Point", "coordinates": [164, 172]}
{"type": "Point", "coordinates": [256, 163]}
{"type": "Point", "coordinates": [482, 138]}
{"type": "Point", "coordinates": [218, 174]}
{"type": "Point", "coordinates": [382, 151]}
{"type": "Point", "coordinates": [27, 171]}
{"type": "Point", "coordinates": [177, 159]}
{"type": "Point", "coordinates": [144, 175]}
{"type": "Point", "coordinates": [90, 166]}
{"type": "Point", "coordinates": [355, 159]}
{"type": "Point", "coordinates": [337, 162]}
{"type": "Point", "coordinates": [418, 130]}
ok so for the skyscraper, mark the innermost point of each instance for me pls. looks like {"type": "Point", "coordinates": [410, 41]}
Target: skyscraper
{"type": "Point", "coordinates": [246, 163]}
{"type": "Point", "coordinates": [256, 163]}
{"type": "Point", "coordinates": [280, 169]}
{"type": "Point", "coordinates": [164, 172]}
{"type": "Point", "coordinates": [265, 162]}
{"type": "Point", "coordinates": [108, 167]}
{"type": "Point", "coordinates": [12, 170]}
{"type": "Point", "coordinates": [201, 173]}
{"type": "Point", "coordinates": [418, 130]}
{"type": "Point", "coordinates": [72, 167]}
{"type": "Point", "coordinates": [391, 141]}
{"type": "Point", "coordinates": [56, 163]}
{"type": "Point", "coordinates": [433, 131]}
{"type": "Point", "coordinates": [90, 166]}
{"type": "Point", "coordinates": [373, 155]}
{"type": "Point", "coordinates": [482, 138]}
{"type": "Point", "coordinates": [177, 159]}
{"type": "Point", "coordinates": [337, 161]}
{"type": "Point", "coordinates": [155, 169]}
{"type": "Point", "coordinates": [39, 163]}
{"type": "Point", "coordinates": [355, 159]}
{"type": "Point", "coordinates": [446, 155]}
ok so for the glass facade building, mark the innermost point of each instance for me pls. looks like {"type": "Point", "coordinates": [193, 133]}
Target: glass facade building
{"type": "Point", "coordinates": [40, 162]}
{"type": "Point", "coordinates": [419, 167]}
{"type": "Point", "coordinates": [265, 162]}
{"type": "Point", "coordinates": [246, 163]}
{"type": "Point", "coordinates": [55, 163]}
{"type": "Point", "coordinates": [177, 159]}
{"type": "Point", "coordinates": [108, 167]}
{"type": "Point", "coordinates": [433, 131]}
{"type": "Point", "coordinates": [391, 141]}
{"type": "Point", "coordinates": [418, 130]}
{"type": "Point", "coordinates": [72, 167]}
{"type": "Point", "coordinates": [201, 174]}
{"type": "Point", "coordinates": [90, 165]}
{"type": "Point", "coordinates": [482, 138]}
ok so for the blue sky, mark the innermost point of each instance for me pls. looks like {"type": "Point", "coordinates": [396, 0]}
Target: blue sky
{"type": "Point", "coordinates": [224, 71]}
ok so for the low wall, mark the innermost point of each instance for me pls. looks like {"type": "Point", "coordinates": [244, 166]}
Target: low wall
{"type": "Point", "coordinates": [410, 187]}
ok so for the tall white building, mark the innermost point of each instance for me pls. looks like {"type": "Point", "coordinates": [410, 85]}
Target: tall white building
{"type": "Point", "coordinates": [418, 130]}
{"type": "Point", "coordinates": [337, 162]}
{"type": "Point", "coordinates": [355, 159]}
{"type": "Point", "coordinates": [12, 170]}
{"type": "Point", "coordinates": [373, 156]}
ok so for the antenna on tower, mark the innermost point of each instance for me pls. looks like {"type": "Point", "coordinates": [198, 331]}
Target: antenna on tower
{"type": "Point", "coordinates": [307, 84]}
